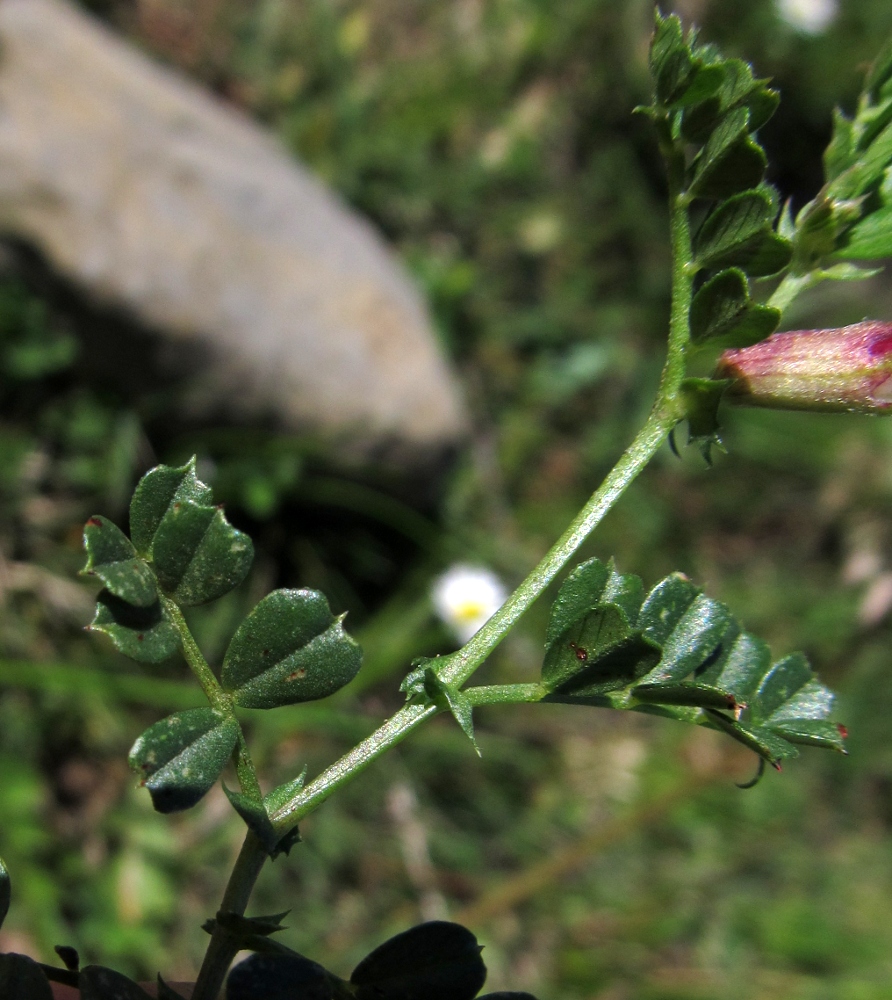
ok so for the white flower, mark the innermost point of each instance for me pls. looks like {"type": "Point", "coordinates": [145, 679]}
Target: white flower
{"type": "Point", "coordinates": [811, 17]}
{"type": "Point", "coordinates": [466, 597]}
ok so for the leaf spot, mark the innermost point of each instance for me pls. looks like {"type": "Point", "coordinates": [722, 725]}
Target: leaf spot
{"type": "Point", "coordinates": [298, 675]}
{"type": "Point", "coordinates": [95, 522]}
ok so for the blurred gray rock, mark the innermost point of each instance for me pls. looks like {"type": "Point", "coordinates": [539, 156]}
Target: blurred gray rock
{"type": "Point", "coordinates": [151, 196]}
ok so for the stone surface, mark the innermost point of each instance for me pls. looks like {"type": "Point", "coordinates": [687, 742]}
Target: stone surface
{"type": "Point", "coordinates": [153, 197]}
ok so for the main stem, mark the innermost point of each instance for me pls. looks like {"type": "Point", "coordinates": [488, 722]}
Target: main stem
{"type": "Point", "coordinates": [455, 669]}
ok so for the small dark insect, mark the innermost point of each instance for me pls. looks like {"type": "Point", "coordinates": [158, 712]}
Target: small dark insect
{"type": "Point", "coordinates": [581, 653]}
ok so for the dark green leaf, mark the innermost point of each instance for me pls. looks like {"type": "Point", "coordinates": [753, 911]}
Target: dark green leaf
{"type": "Point", "coordinates": [434, 961]}
{"type": "Point", "coordinates": [761, 102]}
{"type": "Point", "coordinates": [741, 165]}
{"type": "Point", "coordinates": [197, 555]}
{"type": "Point", "coordinates": [671, 64]}
{"type": "Point", "coordinates": [701, 85]}
{"type": "Point", "coordinates": [867, 170]}
{"type": "Point", "coordinates": [580, 592]}
{"type": "Point", "coordinates": [144, 634]}
{"type": "Point", "coordinates": [180, 757]}
{"type": "Point", "coordinates": [155, 495]}
{"type": "Point", "coordinates": [739, 90]}
{"type": "Point", "coordinates": [21, 978]}
{"type": "Point", "coordinates": [731, 229]}
{"type": "Point", "coordinates": [112, 557]}
{"type": "Point", "coordinates": [665, 606]}
{"type": "Point", "coordinates": [5, 891]}
{"type": "Point", "coordinates": [723, 313]}
{"type": "Point", "coordinates": [97, 983]}
{"type": "Point", "coordinates": [841, 152]}
{"type": "Point", "coordinates": [279, 977]}
{"type": "Point", "coordinates": [684, 655]}
{"type": "Point", "coordinates": [870, 239]}
{"type": "Point", "coordinates": [692, 641]}
{"type": "Point", "coordinates": [289, 649]}
{"type": "Point", "coordinates": [597, 655]}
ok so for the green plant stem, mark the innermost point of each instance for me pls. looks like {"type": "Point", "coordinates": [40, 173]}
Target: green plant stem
{"type": "Point", "coordinates": [222, 948]}
{"type": "Point", "coordinates": [505, 694]}
{"type": "Point", "coordinates": [458, 667]}
{"type": "Point", "coordinates": [667, 411]}
{"type": "Point", "coordinates": [197, 663]}
{"type": "Point", "coordinates": [790, 287]}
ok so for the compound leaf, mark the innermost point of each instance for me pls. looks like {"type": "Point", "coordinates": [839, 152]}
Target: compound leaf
{"type": "Point", "coordinates": [143, 634]}
{"type": "Point", "coordinates": [683, 655]}
{"type": "Point", "coordinates": [289, 649]}
{"type": "Point", "coordinates": [112, 557]}
{"type": "Point", "coordinates": [180, 757]}
{"type": "Point", "coordinates": [438, 960]}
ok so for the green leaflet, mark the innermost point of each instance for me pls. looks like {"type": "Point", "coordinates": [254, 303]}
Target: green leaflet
{"type": "Point", "coordinates": [870, 239]}
{"type": "Point", "coordinates": [180, 757]}
{"type": "Point", "coordinates": [289, 649]}
{"type": "Point", "coordinates": [143, 634]}
{"type": "Point", "coordinates": [738, 232]}
{"type": "Point", "coordinates": [112, 557]}
{"type": "Point", "coordinates": [196, 554]}
{"type": "Point", "coordinates": [680, 654]}
{"type": "Point", "coordinates": [730, 161]}
{"type": "Point", "coordinates": [157, 491]}
{"type": "Point", "coordinates": [438, 960]}
{"type": "Point", "coordinates": [722, 313]}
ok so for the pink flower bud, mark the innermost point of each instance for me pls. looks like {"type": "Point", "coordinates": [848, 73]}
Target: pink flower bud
{"type": "Point", "coordinates": [846, 369]}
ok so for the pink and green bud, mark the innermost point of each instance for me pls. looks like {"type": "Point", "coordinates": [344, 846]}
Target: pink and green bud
{"type": "Point", "coordinates": [846, 369]}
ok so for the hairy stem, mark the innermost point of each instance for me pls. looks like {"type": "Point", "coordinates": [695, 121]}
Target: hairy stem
{"type": "Point", "coordinates": [458, 667]}
{"type": "Point", "coordinates": [194, 657]}
{"type": "Point", "coordinates": [222, 949]}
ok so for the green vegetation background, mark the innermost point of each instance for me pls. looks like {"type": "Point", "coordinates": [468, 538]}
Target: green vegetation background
{"type": "Point", "coordinates": [492, 142]}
